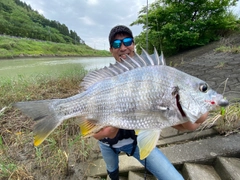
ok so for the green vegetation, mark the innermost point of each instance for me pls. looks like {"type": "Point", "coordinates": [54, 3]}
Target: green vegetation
{"type": "Point", "coordinates": [226, 121]}
{"type": "Point", "coordinates": [228, 49]}
{"type": "Point", "coordinates": [173, 25]}
{"type": "Point", "coordinates": [24, 32]}
{"type": "Point", "coordinates": [19, 19]}
{"type": "Point", "coordinates": [41, 86]}
{"type": "Point", "coordinates": [64, 147]}
{"type": "Point", "coordinates": [227, 45]}
{"type": "Point", "coordinates": [22, 47]}
{"type": "Point", "coordinates": [229, 121]}
{"type": "Point", "coordinates": [176, 26]}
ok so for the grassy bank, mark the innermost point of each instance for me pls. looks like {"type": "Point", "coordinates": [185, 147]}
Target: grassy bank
{"type": "Point", "coordinates": [228, 49]}
{"type": "Point", "coordinates": [63, 82]}
{"type": "Point", "coordinates": [229, 44]}
{"type": "Point", "coordinates": [19, 159]}
{"type": "Point", "coordinates": [64, 151]}
{"type": "Point", "coordinates": [11, 47]}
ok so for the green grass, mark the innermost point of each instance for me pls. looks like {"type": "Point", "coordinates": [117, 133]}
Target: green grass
{"type": "Point", "coordinates": [65, 147]}
{"type": "Point", "coordinates": [228, 49]}
{"type": "Point", "coordinates": [228, 45]}
{"type": "Point", "coordinates": [62, 149]}
{"type": "Point", "coordinates": [229, 121]}
{"type": "Point", "coordinates": [22, 47]}
{"type": "Point", "coordinates": [226, 120]}
{"type": "Point", "coordinates": [38, 86]}
{"type": "Point", "coordinates": [6, 169]}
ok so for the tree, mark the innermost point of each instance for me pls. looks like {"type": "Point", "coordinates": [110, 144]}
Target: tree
{"type": "Point", "coordinates": [64, 29]}
{"type": "Point", "coordinates": [19, 19]}
{"type": "Point", "coordinates": [178, 25]}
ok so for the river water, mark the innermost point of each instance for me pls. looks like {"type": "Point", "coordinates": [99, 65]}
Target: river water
{"type": "Point", "coordinates": [33, 66]}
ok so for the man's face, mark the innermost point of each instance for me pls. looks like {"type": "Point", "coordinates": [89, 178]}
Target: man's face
{"type": "Point", "coordinates": [123, 50]}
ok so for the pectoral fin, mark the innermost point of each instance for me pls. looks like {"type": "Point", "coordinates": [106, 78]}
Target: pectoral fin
{"type": "Point", "coordinates": [147, 140]}
{"type": "Point", "coordinates": [88, 127]}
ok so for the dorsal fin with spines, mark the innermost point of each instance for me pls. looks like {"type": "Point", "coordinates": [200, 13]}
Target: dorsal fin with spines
{"type": "Point", "coordinates": [128, 64]}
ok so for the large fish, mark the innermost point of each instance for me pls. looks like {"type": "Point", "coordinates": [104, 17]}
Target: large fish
{"type": "Point", "coordinates": [139, 93]}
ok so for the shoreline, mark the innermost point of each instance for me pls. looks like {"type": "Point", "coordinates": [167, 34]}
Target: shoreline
{"type": "Point", "coordinates": [13, 48]}
{"type": "Point", "coordinates": [48, 56]}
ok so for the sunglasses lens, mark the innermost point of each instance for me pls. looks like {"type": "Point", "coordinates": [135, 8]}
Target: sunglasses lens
{"type": "Point", "coordinates": [116, 44]}
{"type": "Point", "coordinates": [126, 41]}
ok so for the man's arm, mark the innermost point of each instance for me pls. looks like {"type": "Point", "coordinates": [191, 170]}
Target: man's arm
{"type": "Point", "coordinates": [111, 132]}
{"type": "Point", "coordinates": [191, 126]}
{"type": "Point", "coordinates": [108, 131]}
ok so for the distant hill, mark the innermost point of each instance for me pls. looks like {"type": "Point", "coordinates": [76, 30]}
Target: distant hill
{"type": "Point", "coordinates": [19, 19]}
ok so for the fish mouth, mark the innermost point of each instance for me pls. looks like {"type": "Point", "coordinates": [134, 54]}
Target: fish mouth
{"type": "Point", "coordinates": [219, 100]}
{"type": "Point", "coordinates": [223, 103]}
{"type": "Point", "coordinates": [179, 106]}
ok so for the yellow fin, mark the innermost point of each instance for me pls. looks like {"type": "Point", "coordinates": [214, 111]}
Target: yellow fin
{"type": "Point", "coordinates": [137, 131]}
{"type": "Point", "coordinates": [43, 129]}
{"type": "Point", "coordinates": [147, 140]}
{"type": "Point", "coordinates": [38, 139]}
{"type": "Point", "coordinates": [88, 128]}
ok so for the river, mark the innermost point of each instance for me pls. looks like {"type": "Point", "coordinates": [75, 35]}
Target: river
{"type": "Point", "coordinates": [32, 66]}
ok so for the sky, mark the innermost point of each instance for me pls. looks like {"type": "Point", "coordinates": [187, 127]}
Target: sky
{"type": "Point", "coordinates": [92, 20]}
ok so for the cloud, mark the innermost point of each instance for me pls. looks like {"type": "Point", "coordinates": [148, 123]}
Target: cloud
{"type": "Point", "coordinates": [92, 19]}
{"type": "Point", "coordinates": [87, 21]}
{"type": "Point", "coordinates": [93, 2]}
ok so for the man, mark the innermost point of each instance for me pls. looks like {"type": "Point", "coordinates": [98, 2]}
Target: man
{"type": "Point", "coordinates": [113, 140]}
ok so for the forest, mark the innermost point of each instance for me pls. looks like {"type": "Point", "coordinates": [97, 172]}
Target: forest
{"type": "Point", "coordinates": [168, 25]}
{"type": "Point", "coordinates": [174, 26]}
{"type": "Point", "coordinates": [20, 20]}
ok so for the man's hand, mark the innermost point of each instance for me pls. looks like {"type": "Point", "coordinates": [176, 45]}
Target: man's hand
{"type": "Point", "coordinates": [191, 126]}
{"type": "Point", "coordinates": [111, 132]}
{"type": "Point", "coordinates": [108, 131]}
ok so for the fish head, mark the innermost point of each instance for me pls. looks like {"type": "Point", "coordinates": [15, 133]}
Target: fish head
{"type": "Point", "coordinates": [195, 97]}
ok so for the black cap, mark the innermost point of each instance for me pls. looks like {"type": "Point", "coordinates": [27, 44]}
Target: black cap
{"type": "Point", "coordinates": [119, 29]}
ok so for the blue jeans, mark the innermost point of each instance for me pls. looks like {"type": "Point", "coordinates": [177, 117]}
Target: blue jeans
{"type": "Point", "coordinates": [157, 163]}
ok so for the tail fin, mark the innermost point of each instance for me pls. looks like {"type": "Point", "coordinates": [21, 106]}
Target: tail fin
{"type": "Point", "coordinates": [43, 112]}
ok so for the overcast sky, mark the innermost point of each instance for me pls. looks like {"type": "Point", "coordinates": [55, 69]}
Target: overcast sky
{"type": "Point", "coordinates": [93, 19]}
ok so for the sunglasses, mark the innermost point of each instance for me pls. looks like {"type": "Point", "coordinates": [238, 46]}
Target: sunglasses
{"type": "Point", "coordinates": [118, 42]}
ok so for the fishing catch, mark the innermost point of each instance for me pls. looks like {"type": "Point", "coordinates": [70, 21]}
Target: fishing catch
{"type": "Point", "coordinates": [139, 93]}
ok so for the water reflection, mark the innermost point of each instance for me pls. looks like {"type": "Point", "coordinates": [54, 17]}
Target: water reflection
{"type": "Point", "coordinates": [30, 66]}
{"type": "Point", "coordinates": [88, 63]}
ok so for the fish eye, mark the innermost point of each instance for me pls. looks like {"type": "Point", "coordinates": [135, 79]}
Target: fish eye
{"type": "Point", "coordinates": [203, 87]}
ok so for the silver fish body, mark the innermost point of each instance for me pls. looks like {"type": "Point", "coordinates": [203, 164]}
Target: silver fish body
{"type": "Point", "coordinates": [139, 93]}
{"type": "Point", "coordinates": [143, 98]}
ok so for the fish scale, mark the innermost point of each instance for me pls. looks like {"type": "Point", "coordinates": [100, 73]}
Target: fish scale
{"type": "Point", "coordinates": [125, 101]}
{"type": "Point", "coordinates": [139, 93]}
